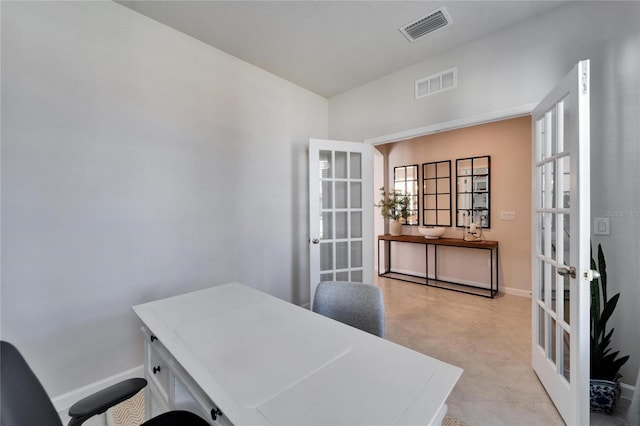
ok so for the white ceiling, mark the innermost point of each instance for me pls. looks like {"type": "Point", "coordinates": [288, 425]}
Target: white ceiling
{"type": "Point", "coordinates": [329, 47]}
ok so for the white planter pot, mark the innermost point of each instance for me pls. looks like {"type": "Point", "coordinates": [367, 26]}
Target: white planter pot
{"type": "Point", "coordinates": [395, 227]}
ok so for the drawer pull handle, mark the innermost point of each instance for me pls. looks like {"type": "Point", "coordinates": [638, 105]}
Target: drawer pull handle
{"type": "Point", "coordinates": [215, 412]}
{"type": "Point", "coordinates": [152, 338]}
{"type": "Point", "coordinates": [156, 370]}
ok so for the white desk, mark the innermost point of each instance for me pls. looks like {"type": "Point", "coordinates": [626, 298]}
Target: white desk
{"type": "Point", "coordinates": [261, 360]}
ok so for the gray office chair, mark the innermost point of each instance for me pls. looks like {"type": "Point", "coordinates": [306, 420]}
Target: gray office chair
{"type": "Point", "coordinates": [24, 402]}
{"type": "Point", "coordinates": [356, 304]}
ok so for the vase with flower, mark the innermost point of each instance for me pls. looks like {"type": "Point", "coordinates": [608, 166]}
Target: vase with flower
{"type": "Point", "coordinates": [394, 205]}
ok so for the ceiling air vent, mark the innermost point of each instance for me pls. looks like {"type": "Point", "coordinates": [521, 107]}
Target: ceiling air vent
{"type": "Point", "coordinates": [422, 26]}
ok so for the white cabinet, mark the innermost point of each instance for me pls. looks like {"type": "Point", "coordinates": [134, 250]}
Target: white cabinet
{"type": "Point", "coordinates": [154, 403]}
{"type": "Point", "coordinates": [156, 366]}
{"type": "Point", "coordinates": [171, 388]}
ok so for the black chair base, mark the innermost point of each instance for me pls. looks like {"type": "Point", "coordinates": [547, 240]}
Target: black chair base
{"type": "Point", "coordinates": [176, 418]}
{"type": "Point", "coordinates": [24, 402]}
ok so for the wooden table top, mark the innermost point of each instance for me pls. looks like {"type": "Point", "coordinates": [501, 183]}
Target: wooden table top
{"type": "Point", "coordinates": [454, 242]}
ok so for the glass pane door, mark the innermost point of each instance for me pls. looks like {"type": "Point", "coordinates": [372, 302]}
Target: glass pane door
{"type": "Point", "coordinates": [341, 212]}
{"type": "Point", "coordinates": [341, 228]}
{"type": "Point", "coordinates": [553, 237]}
{"type": "Point", "coordinates": [560, 247]}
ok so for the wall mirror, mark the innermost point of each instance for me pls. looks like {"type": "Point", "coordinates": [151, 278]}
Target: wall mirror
{"type": "Point", "coordinates": [405, 180]}
{"type": "Point", "coordinates": [473, 191]}
{"type": "Point", "coordinates": [436, 193]}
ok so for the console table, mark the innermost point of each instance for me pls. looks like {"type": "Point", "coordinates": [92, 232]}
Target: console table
{"type": "Point", "coordinates": [490, 246]}
{"type": "Point", "coordinates": [238, 356]}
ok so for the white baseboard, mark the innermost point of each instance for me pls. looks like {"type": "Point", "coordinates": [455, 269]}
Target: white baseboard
{"type": "Point", "coordinates": [408, 272]}
{"type": "Point", "coordinates": [627, 391]}
{"type": "Point", "coordinates": [516, 291]}
{"type": "Point", "coordinates": [66, 400]}
{"type": "Point", "coordinates": [441, 277]}
{"type": "Point", "coordinates": [506, 290]}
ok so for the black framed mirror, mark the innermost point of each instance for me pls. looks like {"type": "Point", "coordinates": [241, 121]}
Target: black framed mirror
{"type": "Point", "coordinates": [473, 191]}
{"type": "Point", "coordinates": [436, 193]}
{"type": "Point", "coordinates": [405, 181]}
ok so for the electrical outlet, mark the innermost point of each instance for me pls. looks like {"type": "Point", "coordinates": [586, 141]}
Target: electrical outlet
{"type": "Point", "coordinates": [507, 215]}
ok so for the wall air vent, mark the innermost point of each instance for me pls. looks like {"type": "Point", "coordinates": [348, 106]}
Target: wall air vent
{"type": "Point", "coordinates": [437, 83]}
{"type": "Point", "coordinates": [424, 25]}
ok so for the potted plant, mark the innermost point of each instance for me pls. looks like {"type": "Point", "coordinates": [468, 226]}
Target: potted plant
{"type": "Point", "coordinates": [393, 205]}
{"type": "Point", "coordinates": [404, 210]}
{"type": "Point", "coordinates": [605, 364]}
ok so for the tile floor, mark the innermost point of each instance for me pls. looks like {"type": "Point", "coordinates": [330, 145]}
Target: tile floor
{"type": "Point", "coordinates": [489, 338]}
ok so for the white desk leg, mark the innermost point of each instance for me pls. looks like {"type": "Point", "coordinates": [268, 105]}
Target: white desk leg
{"type": "Point", "coordinates": [439, 417]}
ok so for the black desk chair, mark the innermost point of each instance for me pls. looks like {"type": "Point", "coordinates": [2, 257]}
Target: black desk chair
{"type": "Point", "coordinates": [24, 402]}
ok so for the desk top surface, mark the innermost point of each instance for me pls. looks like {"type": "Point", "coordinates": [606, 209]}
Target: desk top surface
{"type": "Point", "coordinates": [266, 361]}
{"type": "Point", "coordinates": [455, 242]}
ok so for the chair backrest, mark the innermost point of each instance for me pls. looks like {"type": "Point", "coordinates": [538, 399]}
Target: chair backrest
{"type": "Point", "coordinates": [23, 400]}
{"type": "Point", "coordinates": [356, 304]}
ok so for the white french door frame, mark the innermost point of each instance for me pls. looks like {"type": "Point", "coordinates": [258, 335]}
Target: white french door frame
{"type": "Point", "coordinates": [334, 264]}
{"type": "Point", "coordinates": [474, 120]}
{"type": "Point", "coordinates": [560, 130]}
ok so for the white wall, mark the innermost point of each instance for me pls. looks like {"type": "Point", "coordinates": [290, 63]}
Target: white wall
{"type": "Point", "coordinates": [518, 66]}
{"type": "Point", "coordinates": [137, 163]}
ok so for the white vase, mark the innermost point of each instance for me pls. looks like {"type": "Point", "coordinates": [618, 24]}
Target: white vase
{"type": "Point", "coordinates": [395, 227]}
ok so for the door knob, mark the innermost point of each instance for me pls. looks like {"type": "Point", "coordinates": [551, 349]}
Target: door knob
{"type": "Point", "coordinates": [564, 271]}
{"type": "Point", "coordinates": [315, 241]}
{"type": "Point", "coordinates": [591, 275]}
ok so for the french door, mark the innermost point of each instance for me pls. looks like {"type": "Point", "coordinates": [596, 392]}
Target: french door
{"type": "Point", "coordinates": [561, 245]}
{"type": "Point", "coordinates": [340, 212]}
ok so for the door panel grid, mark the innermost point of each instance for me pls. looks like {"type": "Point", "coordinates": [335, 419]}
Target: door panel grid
{"type": "Point", "coordinates": [340, 225]}
{"type": "Point", "coordinates": [560, 246]}
{"type": "Point", "coordinates": [340, 212]}
{"type": "Point", "coordinates": [553, 249]}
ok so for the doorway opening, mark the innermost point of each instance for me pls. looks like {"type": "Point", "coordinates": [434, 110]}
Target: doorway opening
{"type": "Point", "coordinates": [508, 142]}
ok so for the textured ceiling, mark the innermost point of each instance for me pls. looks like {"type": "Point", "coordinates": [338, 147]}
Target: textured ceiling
{"type": "Point", "coordinates": [329, 47]}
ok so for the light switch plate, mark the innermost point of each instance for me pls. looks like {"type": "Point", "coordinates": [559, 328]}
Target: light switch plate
{"type": "Point", "coordinates": [507, 215]}
{"type": "Point", "coordinates": [601, 226]}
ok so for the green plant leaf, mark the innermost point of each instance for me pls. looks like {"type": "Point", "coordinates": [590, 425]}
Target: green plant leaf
{"type": "Point", "coordinates": [602, 268]}
{"type": "Point", "coordinates": [608, 309]}
{"type": "Point", "coordinates": [605, 362]}
{"type": "Point", "coordinates": [595, 297]}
